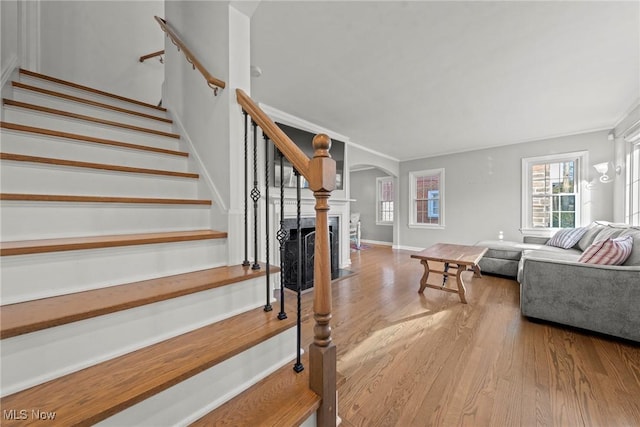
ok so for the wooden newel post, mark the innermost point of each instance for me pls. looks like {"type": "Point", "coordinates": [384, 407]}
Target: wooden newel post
{"type": "Point", "coordinates": [322, 352]}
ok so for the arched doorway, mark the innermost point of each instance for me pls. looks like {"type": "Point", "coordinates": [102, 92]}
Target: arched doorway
{"type": "Point", "coordinates": [373, 195]}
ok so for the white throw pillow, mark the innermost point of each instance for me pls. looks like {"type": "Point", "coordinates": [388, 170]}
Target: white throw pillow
{"type": "Point", "coordinates": [567, 238]}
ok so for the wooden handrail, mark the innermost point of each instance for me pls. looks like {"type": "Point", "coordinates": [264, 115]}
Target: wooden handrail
{"type": "Point", "coordinates": [320, 172]}
{"type": "Point", "coordinates": [291, 151]}
{"type": "Point", "coordinates": [212, 82]}
{"type": "Point", "coordinates": [152, 55]}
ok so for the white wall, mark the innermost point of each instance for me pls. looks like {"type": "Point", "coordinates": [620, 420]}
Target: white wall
{"type": "Point", "coordinates": [483, 189]}
{"type": "Point", "coordinates": [204, 28]}
{"type": "Point", "coordinates": [9, 34]}
{"type": "Point", "coordinates": [98, 43]}
{"type": "Point", "coordinates": [218, 34]}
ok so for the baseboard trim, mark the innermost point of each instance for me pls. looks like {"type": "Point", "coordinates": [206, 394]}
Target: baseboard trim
{"type": "Point", "coordinates": [376, 242]}
{"type": "Point", "coordinates": [408, 248]}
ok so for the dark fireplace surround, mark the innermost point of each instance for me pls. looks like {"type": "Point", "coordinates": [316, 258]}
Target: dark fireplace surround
{"type": "Point", "coordinates": [308, 236]}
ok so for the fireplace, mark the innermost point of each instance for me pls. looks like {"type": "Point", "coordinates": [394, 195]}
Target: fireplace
{"type": "Point", "coordinates": [307, 235]}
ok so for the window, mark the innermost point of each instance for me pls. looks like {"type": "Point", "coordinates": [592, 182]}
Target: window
{"type": "Point", "coordinates": [433, 206]}
{"type": "Point", "coordinates": [384, 201]}
{"type": "Point", "coordinates": [633, 186]}
{"type": "Point", "coordinates": [427, 198]}
{"type": "Point", "coordinates": [551, 191]}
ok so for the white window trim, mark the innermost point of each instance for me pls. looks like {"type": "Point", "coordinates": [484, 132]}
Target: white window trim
{"type": "Point", "coordinates": [379, 182]}
{"type": "Point", "coordinates": [632, 173]}
{"type": "Point", "coordinates": [582, 211]}
{"type": "Point", "coordinates": [412, 191]}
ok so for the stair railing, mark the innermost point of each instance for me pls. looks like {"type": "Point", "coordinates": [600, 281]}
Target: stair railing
{"type": "Point", "coordinates": [213, 82]}
{"type": "Point", "coordinates": [153, 55]}
{"type": "Point", "coordinates": [320, 173]}
{"type": "Point", "coordinates": [282, 235]}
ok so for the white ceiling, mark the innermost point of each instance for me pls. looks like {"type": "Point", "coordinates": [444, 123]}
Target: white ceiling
{"type": "Point", "coordinates": [417, 79]}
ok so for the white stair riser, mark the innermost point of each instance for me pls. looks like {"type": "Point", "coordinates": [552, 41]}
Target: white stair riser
{"type": "Point", "coordinates": [34, 358]}
{"type": "Point", "coordinates": [25, 177]}
{"type": "Point", "coordinates": [45, 84]}
{"type": "Point", "coordinates": [27, 277]}
{"type": "Point", "coordinates": [311, 421]}
{"type": "Point", "coordinates": [22, 220]}
{"type": "Point", "coordinates": [60, 148]}
{"type": "Point", "coordinates": [50, 101]}
{"type": "Point", "coordinates": [65, 124]}
{"type": "Point", "coordinates": [189, 400]}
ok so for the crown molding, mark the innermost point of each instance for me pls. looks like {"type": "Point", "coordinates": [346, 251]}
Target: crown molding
{"type": "Point", "coordinates": [369, 150]}
{"type": "Point", "coordinates": [297, 122]}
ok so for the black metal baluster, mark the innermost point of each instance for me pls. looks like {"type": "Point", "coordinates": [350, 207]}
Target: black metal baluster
{"type": "Point", "coordinates": [255, 196]}
{"type": "Point", "coordinates": [246, 192]}
{"type": "Point", "coordinates": [298, 367]}
{"type": "Point", "coordinates": [282, 236]}
{"type": "Point", "coordinates": [267, 306]}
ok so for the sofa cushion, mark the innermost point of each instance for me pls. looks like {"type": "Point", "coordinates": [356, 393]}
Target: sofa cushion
{"type": "Point", "coordinates": [608, 232]}
{"type": "Point", "coordinates": [500, 249]}
{"type": "Point", "coordinates": [589, 236]}
{"type": "Point", "coordinates": [554, 253]}
{"type": "Point", "coordinates": [505, 249]}
{"type": "Point", "coordinates": [566, 238]}
{"type": "Point", "coordinates": [548, 252]}
{"type": "Point", "coordinates": [536, 240]}
{"type": "Point", "coordinates": [502, 267]}
{"type": "Point", "coordinates": [609, 251]}
{"type": "Point", "coordinates": [634, 257]}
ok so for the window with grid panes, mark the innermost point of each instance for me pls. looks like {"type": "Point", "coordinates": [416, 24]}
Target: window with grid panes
{"type": "Point", "coordinates": [427, 198]}
{"type": "Point", "coordinates": [384, 202]}
{"type": "Point", "coordinates": [552, 195]}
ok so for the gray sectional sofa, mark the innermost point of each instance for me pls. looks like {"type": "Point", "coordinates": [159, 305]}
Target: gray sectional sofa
{"type": "Point", "coordinates": [554, 286]}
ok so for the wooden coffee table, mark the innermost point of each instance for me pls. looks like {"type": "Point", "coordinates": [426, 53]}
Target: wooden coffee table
{"type": "Point", "coordinates": [461, 257]}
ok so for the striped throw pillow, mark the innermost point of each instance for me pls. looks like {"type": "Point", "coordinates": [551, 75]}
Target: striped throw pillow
{"type": "Point", "coordinates": [608, 251]}
{"type": "Point", "coordinates": [567, 237]}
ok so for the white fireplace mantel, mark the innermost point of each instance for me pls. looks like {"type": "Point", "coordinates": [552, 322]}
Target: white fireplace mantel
{"type": "Point", "coordinates": [337, 208]}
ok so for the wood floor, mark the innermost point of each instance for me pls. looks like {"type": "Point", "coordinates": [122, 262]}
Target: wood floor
{"type": "Point", "coordinates": [423, 360]}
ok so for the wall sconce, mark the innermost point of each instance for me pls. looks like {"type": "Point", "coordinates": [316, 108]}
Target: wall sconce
{"type": "Point", "coordinates": [603, 168]}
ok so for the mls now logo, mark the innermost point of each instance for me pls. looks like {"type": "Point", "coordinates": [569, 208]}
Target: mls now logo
{"type": "Point", "coordinates": [23, 414]}
{"type": "Point", "coordinates": [14, 414]}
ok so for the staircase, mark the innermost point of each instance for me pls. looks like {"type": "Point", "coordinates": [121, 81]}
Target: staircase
{"type": "Point", "coordinates": [118, 306]}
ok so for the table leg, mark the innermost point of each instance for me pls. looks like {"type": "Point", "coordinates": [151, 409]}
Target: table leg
{"type": "Point", "coordinates": [476, 271]}
{"type": "Point", "coordinates": [461, 289]}
{"type": "Point", "coordinates": [444, 276]}
{"type": "Point", "coordinates": [425, 276]}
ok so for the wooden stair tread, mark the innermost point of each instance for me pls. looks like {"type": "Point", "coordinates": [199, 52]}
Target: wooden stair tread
{"type": "Point", "coordinates": [90, 165]}
{"type": "Point", "coordinates": [281, 399]}
{"type": "Point", "coordinates": [24, 247]}
{"type": "Point", "coordinates": [95, 393]}
{"type": "Point", "coordinates": [86, 138]}
{"type": "Point", "coordinates": [89, 89]}
{"type": "Point", "coordinates": [88, 102]}
{"type": "Point", "coordinates": [92, 119]}
{"type": "Point", "coordinates": [30, 316]}
{"type": "Point", "coordinates": [99, 199]}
